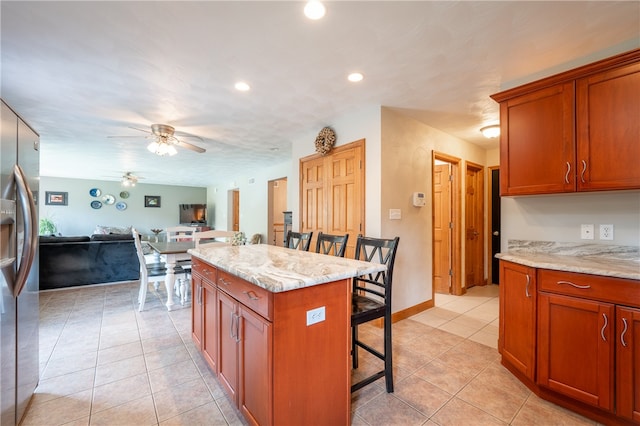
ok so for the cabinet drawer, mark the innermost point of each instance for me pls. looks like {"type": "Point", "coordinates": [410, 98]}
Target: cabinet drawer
{"type": "Point", "coordinates": [250, 295]}
{"type": "Point", "coordinates": [205, 270]}
{"type": "Point", "coordinates": [596, 287]}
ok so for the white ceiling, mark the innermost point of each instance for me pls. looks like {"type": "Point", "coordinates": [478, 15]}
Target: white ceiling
{"type": "Point", "coordinates": [84, 70]}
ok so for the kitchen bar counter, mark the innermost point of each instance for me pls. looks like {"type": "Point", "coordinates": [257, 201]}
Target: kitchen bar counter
{"type": "Point", "coordinates": [279, 269]}
{"type": "Point", "coordinates": [595, 259]}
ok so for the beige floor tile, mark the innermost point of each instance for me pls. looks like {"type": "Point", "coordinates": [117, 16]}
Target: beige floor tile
{"type": "Point", "coordinates": [208, 414]}
{"type": "Point", "coordinates": [448, 378]}
{"type": "Point", "coordinates": [119, 370]}
{"type": "Point", "coordinates": [458, 329]}
{"type": "Point", "coordinates": [457, 412]}
{"type": "Point", "coordinates": [537, 412]}
{"type": "Point", "coordinates": [486, 338]}
{"type": "Point", "coordinates": [67, 384]}
{"type": "Point", "coordinates": [175, 374]}
{"type": "Point", "coordinates": [386, 409]}
{"type": "Point", "coordinates": [421, 395]}
{"type": "Point", "coordinates": [60, 410]}
{"type": "Point", "coordinates": [120, 352]}
{"type": "Point", "coordinates": [120, 392]}
{"type": "Point", "coordinates": [166, 357]}
{"type": "Point", "coordinates": [62, 366]}
{"type": "Point", "coordinates": [137, 412]}
{"type": "Point", "coordinates": [181, 398]}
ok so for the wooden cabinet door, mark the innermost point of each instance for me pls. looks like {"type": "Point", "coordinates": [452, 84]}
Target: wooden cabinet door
{"type": "Point", "coordinates": [537, 152]}
{"type": "Point", "coordinates": [196, 309]}
{"type": "Point", "coordinates": [576, 348]}
{"type": "Point", "coordinates": [227, 316]}
{"type": "Point", "coordinates": [209, 324]}
{"type": "Point", "coordinates": [256, 368]}
{"type": "Point", "coordinates": [608, 123]}
{"type": "Point", "coordinates": [517, 340]}
{"type": "Point", "coordinates": [628, 363]}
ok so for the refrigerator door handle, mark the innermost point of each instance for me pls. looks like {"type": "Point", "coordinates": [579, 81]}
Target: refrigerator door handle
{"type": "Point", "coordinates": [25, 197]}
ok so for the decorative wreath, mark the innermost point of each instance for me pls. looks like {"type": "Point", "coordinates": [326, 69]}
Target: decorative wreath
{"type": "Point", "coordinates": [325, 140]}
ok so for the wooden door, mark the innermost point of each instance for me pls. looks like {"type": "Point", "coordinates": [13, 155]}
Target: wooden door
{"type": "Point", "coordinates": [517, 341]}
{"type": "Point", "coordinates": [228, 344]}
{"type": "Point", "coordinates": [236, 210]}
{"type": "Point", "coordinates": [442, 222]}
{"type": "Point", "coordinates": [312, 189]}
{"type": "Point", "coordinates": [628, 363]}
{"type": "Point", "coordinates": [537, 146]}
{"type": "Point", "coordinates": [255, 367]}
{"type": "Point", "coordinates": [474, 226]}
{"type": "Point", "coordinates": [332, 193]}
{"type": "Point", "coordinates": [575, 348]}
{"type": "Point", "coordinates": [608, 123]}
{"type": "Point", "coordinates": [345, 200]}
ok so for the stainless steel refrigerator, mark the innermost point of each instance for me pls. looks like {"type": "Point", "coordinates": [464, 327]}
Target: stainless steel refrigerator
{"type": "Point", "coordinates": [19, 310]}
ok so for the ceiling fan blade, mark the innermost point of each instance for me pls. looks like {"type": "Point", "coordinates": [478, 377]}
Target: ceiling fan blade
{"type": "Point", "coordinates": [140, 130]}
{"type": "Point", "coordinates": [190, 146]}
{"type": "Point", "coordinates": [122, 136]}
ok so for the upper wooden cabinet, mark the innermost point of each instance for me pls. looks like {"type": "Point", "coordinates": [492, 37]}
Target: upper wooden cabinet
{"type": "Point", "coordinates": [575, 131]}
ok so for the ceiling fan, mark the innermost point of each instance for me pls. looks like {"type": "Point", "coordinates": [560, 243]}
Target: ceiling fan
{"type": "Point", "coordinates": [164, 140]}
{"type": "Point", "coordinates": [129, 179]}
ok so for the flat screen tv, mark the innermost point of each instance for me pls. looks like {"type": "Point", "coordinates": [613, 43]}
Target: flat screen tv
{"type": "Point", "coordinates": [193, 214]}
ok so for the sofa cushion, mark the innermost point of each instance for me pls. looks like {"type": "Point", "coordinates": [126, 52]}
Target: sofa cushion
{"type": "Point", "coordinates": [112, 230]}
{"type": "Point", "coordinates": [111, 237]}
{"type": "Point", "coordinates": [53, 239]}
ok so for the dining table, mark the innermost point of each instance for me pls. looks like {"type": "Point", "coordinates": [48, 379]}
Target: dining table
{"type": "Point", "coordinates": [173, 252]}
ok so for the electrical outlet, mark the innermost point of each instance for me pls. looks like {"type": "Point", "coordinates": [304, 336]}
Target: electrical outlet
{"type": "Point", "coordinates": [586, 231]}
{"type": "Point", "coordinates": [606, 232]}
{"type": "Point", "coordinates": [315, 315]}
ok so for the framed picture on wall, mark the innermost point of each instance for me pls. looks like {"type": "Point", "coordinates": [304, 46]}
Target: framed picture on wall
{"type": "Point", "coordinates": [152, 201]}
{"type": "Point", "coordinates": [54, 198]}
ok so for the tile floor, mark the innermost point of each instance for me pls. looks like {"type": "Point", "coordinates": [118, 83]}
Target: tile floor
{"type": "Point", "coordinates": [105, 363]}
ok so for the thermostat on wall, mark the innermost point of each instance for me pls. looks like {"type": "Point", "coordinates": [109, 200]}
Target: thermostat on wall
{"type": "Point", "coordinates": [419, 200]}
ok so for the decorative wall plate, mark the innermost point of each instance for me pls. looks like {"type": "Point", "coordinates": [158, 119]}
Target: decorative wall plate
{"type": "Point", "coordinates": [124, 194]}
{"type": "Point", "coordinates": [95, 192]}
{"type": "Point", "coordinates": [108, 199]}
{"type": "Point", "coordinates": [96, 204]}
{"type": "Point", "coordinates": [121, 205]}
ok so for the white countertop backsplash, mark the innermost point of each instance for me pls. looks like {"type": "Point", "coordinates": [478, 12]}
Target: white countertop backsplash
{"type": "Point", "coordinates": [596, 259]}
{"type": "Point", "coordinates": [280, 269]}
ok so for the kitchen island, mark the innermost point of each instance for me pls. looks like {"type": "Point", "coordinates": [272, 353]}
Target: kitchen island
{"type": "Point", "coordinates": [570, 325]}
{"type": "Point", "coordinates": [274, 325]}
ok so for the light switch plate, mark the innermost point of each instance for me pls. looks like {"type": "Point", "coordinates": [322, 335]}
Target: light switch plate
{"type": "Point", "coordinates": [395, 214]}
{"type": "Point", "coordinates": [586, 231]}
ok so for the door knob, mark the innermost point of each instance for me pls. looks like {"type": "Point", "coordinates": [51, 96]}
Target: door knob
{"type": "Point", "coordinates": [496, 233]}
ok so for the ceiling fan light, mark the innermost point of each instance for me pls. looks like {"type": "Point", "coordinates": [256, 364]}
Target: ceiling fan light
{"type": "Point", "coordinates": [314, 10]}
{"type": "Point", "coordinates": [153, 147]}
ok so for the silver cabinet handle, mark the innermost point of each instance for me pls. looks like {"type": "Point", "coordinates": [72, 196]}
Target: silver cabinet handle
{"type": "Point", "coordinates": [566, 176]}
{"type": "Point", "coordinates": [223, 281]}
{"type": "Point", "coordinates": [584, 169]}
{"type": "Point", "coordinates": [573, 285]}
{"type": "Point", "coordinates": [200, 295]}
{"type": "Point", "coordinates": [232, 327]}
{"type": "Point", "coordinates": [606, 322]}
{"type": "Point", "coordinates": [30, 243]}
{"type": "Point", "coordinates": [526, 289]}
{"type": "Point", "coordinates": [626, 327]}
{"type": "Point", "coordinates": [251, 295]}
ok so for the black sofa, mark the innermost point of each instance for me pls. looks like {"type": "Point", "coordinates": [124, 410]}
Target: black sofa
{"type": "Point", "coordinates": [77, 261]}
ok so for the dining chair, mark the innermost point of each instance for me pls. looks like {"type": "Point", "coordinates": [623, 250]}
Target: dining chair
{"type": "Point", "coordinates": [150, 270]}
{"type": "Point", "coordinates": [298, 240]}
{"type": "Point", "coordinates": [214, 237]}
{"type": "Point", "coordinates": [331, 244]}
{"type": "Point", "coordinates": [181, 233]}
{"type": "Point", "coordinates": [371, 299]}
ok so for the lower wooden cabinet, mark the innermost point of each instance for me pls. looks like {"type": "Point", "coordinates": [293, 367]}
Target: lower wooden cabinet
{"type": "Point", "coordinates": [517, 340]}
{"type": "Point", "coordinates": [576, 348]}
{"type": "Point", "coordinates": [204, 295]}
{"type": "Point", "coordinates": [582, 347]}
{"type": "Point", "coordinates": [628, 363]}
{"type": "Point", "coordinates": [275, 366]}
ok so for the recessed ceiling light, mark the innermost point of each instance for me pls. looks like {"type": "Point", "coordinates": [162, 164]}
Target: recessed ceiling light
{"type": "Point", "coordinates": [242, 86]}
{"type": "Point", "coordinates": [355, 77]}
{"type": "Point", "coordinates": [314, 10]}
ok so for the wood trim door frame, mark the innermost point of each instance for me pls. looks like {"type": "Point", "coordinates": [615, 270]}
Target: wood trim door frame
{"type": "Point", "coordinates": [456, 270]}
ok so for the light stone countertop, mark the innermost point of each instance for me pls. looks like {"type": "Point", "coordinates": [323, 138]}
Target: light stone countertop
{"type": "Point", "coordinates": [280, 269]}
{"type": "Point", "coordinates": [595, 259]}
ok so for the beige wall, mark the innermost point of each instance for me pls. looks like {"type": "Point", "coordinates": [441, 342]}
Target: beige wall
{"type": "Point", "coordinates": [407, 147]}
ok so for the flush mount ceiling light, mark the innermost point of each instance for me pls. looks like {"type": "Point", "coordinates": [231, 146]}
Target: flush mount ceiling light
{"type": "Point", "coordinates": [355, 77]}
{"type": "Point", "coordinates": [164, 142]}
{"type": "Point", "coordinates": [491, 132]}
{"type": "Point", "coordinates": [242, 86]}
{"type": "Point", "coordinates": [314, 10]}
